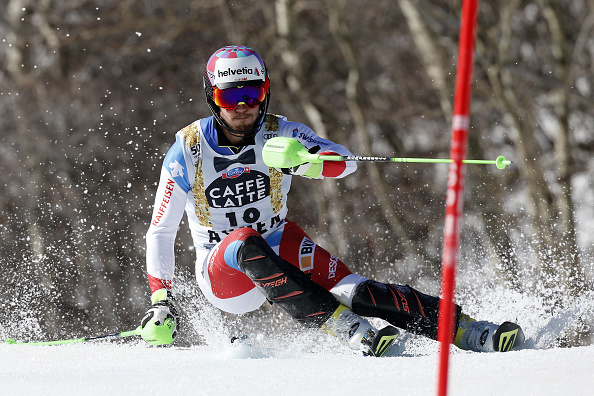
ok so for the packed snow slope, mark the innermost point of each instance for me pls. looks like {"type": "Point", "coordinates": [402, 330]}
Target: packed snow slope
{"type": "Point", "coordinates": [287, 360]}
{"type": "Point", "coordinates": [106, 368]}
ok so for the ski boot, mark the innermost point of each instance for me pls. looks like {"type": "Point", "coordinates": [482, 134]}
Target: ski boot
{"type": "Point", "coordinates": [359, 334]}
{"type": "Point", "coordinates": [483, 336]}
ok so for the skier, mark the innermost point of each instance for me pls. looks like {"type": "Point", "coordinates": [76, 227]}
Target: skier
{"type": "Point", "coordinates": [247, 251]}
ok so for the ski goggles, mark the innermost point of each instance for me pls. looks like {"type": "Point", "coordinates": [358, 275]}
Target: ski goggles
{"type": "Point", "coordinates": [230, 98]}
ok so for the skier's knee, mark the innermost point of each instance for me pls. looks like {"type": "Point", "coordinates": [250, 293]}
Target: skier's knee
{"type": "Point", "coordinates": [242, 233]}
{"type": "Point", "coordinates": [231, 244]}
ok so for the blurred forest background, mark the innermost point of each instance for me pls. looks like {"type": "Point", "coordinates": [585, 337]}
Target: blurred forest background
{"type": "Point", "coordinates": [92, 93]}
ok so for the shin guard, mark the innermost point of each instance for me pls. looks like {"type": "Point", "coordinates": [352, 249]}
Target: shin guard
{"type": "Point", "coordinates": [401, 306]}
{"type": "Point", "coordinates": [284, 284]}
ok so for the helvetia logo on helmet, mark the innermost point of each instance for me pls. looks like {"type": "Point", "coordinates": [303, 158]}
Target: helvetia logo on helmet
{"type": "Point", "coordinates": [234, 72]}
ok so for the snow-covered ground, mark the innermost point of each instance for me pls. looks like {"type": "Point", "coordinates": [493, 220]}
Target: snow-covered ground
{"type": "Point", "coordinates": [106, 368]}
{"type": "Point", "coordinates": [286, 360]}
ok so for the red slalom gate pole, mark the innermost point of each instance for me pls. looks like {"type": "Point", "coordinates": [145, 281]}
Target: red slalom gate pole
{"type": "Point", "coordinates": [455, 190]}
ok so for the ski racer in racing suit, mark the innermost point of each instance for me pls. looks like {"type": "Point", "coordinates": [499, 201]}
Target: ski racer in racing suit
{"type": "Point", "coordinates": [248, 251]}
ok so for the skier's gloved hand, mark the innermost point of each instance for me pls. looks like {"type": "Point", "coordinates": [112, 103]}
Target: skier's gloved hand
{"type": "Point", "coordinates": [306, 169]}
{"type": "Point", "coordinates": [309, 170]}
{"type": "Point", "coordinates": [159, 325]}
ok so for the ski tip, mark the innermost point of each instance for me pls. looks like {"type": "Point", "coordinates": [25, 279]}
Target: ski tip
{"type": "Point", "coordinates": [10, 341]}
{"type": "Point", "coordinates": [509, 336]}
{"type": "Point", "coordinates": [384, 341]}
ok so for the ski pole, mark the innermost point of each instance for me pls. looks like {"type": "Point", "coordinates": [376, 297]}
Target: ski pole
{"type": "Point", "coordinates": [76, 340]}
{"type": "Point", "coordinates": [283, 152]}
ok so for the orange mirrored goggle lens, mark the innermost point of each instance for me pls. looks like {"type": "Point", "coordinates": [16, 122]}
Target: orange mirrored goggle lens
{"type": "Point", "coordinates": [230, 98]}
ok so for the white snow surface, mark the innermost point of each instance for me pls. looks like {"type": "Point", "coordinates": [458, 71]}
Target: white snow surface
{"type": "Point", "coordinates": [134, 368]}
{"type": "Point", "coordinates": [287, 360]}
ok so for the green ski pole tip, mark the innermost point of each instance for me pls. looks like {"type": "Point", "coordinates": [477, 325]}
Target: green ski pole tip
{"type": "Point", "coordinates": [501, 162]}
{"type": "Point", "coordinates": [10, 341]}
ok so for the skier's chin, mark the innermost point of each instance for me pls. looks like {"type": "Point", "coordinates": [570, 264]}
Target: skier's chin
{"type": "Point", "coordinates": [242, 128]}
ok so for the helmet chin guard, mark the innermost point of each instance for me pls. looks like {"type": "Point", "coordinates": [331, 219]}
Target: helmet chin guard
{"type": "Point", "coordinates": [231, 67]}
